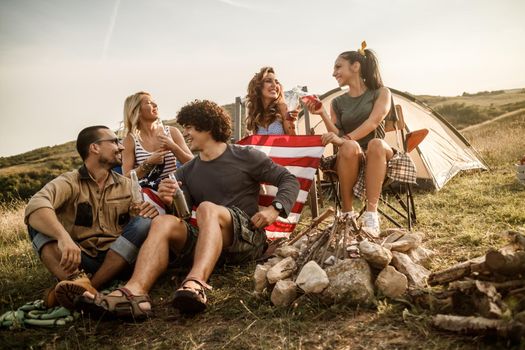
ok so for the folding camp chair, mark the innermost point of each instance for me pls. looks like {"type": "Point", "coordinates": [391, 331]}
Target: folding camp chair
{"type": "Point", "coordinates": [301, 156]}
{"type": "Point", "coordinates": [401, 192]}
{"type": "Point", "coordinates": [406, 142]}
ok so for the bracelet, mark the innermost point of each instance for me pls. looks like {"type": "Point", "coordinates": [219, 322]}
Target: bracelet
{"type": "Point", "coordinates": [147, 167]}
{"type": "Point", "coordinates": [347, 137]}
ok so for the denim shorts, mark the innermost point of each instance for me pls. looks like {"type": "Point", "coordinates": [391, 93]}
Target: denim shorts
{"type": "Point", "coordinates": [127, 245]}
{"type": "Point", "coordinates": [249, 242]}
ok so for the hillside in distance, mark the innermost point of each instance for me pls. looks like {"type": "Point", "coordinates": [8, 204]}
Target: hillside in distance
{"type": "Point", "coordinates": [23, 174]}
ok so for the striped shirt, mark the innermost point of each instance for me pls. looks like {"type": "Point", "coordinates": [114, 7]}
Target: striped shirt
{"type": "Point", "coordinates": [170, 161]}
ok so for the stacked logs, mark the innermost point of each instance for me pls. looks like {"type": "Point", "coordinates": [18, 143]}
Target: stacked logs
{"type": "Point", "coordinates": [343, 263]}
{"type": "Point", "coordinates": [485, 295]}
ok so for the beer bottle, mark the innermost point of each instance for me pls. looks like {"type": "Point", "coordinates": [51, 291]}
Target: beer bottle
{"type": "Point", "coordinates": [179, 201]}
{"type": "Point", "coordinates": [136, 194]}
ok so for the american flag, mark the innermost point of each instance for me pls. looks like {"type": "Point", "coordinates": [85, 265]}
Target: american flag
{"type": "Point", "coordinates": [301, 156]}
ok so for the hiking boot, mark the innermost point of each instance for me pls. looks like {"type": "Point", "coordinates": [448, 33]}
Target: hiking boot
{"type": "Point", "coordinates": [370, 220]}
{"type": "Point", "coordinates": [68, 291]}
{"type": "Point", "coordinates": [50, 298]}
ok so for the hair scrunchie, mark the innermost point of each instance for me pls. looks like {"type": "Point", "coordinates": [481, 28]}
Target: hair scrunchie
{"type": "Point", "coordinates": [361, 50]}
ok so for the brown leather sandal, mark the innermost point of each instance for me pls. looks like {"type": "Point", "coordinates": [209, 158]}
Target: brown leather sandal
{"type": "Point", "coordinates": [189, 300]}
{"type": "Point", "coordinates": [126, 305]}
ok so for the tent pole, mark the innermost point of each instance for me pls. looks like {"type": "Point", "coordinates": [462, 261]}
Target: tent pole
{"type": "Point", "coordinates": [237, 120]}
{"type": "Point", "coordinates": [314, 204]}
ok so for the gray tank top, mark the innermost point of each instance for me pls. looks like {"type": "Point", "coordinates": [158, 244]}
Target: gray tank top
{"type": "Point", "coordinates": [351, 112]}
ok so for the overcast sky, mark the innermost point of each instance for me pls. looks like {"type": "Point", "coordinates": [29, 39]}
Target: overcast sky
{"type": "Point", "coordinates": [67, 64]}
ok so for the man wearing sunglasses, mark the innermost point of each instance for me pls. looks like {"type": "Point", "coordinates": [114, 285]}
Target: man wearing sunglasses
{"type": "Point", "coordinates": [79, 223]}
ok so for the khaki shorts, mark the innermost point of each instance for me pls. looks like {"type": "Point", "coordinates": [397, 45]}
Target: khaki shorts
{"type": "Point", "coordinates": [249, 243]}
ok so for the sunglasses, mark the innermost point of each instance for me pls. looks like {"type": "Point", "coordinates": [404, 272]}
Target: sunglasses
{"type": "Point", "coordinates": [115, 140]}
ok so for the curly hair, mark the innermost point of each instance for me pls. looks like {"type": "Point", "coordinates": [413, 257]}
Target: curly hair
{"type": "Point", "coordinates": [205, 115]}
{"type": "Point", "coordinates": [257, 114]}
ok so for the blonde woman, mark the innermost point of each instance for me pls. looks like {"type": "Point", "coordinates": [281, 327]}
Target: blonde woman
{"type": "Point", "coordinates": [267, 111]}
{"type": "Point", "coordinates": [150, 148]}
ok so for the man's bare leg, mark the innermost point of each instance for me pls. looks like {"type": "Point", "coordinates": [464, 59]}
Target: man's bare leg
{"type": "Point", "coordinates": [215, 234]}
{"type": "Point", "coordinates": [50, 256]}
{"type": "Point", "coordinates": [166, 232]}
{"type": "Point", "coordinates": [113, 264]}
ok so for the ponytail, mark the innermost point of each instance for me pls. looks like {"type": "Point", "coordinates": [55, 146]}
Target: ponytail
{"type": "Point", "coordinates": [370, 71]}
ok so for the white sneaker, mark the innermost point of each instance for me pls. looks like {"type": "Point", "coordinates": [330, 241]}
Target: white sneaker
{"type": "Point", "coordinates": [370, 220]}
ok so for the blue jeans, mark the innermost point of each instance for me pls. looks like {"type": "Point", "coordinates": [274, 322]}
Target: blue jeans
{"type": "Point", "coordinates": [127, 245]}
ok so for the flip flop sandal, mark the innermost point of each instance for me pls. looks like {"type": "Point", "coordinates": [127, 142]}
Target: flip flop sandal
{"type": "Point", "coordinates": [189, 300]}
{"type": "Point", "coordinates": [126, 305]}
{"type": "Point", "coordinates": [92, 306]}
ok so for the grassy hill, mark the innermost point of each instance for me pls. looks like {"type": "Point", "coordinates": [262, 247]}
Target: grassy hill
{"type": "Point", "coordinates": [469, 109]}
{"type": "Point", "coordinates": [22, 175]}
{"type": "Point", "coordinates": [459, 222]}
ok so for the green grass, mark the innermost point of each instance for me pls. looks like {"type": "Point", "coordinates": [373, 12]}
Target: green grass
{"type": "Point", "coordinates": [459, 222]}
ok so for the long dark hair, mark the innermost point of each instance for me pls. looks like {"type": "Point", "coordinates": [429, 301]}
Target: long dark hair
{"type": "Point", "coordinates": [369, 67]}
{"type": "Point", "coordinates": [257, 114]}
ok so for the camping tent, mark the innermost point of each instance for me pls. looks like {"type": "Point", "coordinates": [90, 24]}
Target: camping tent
{"type": "Point", "coordinates": [442, 154]}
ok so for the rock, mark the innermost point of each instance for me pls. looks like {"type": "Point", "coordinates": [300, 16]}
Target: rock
{"type": "Point", "coordinates": [259, 277]}
{"type": "Point", "coordinates": [284, 293]}
{"type": "Point", "coordinates": [286, 251]}
{"type": "Point", "coordinates": [331, 260]}
{"type": "Point", "coordinates": [421, 255]}
{"type": "Point", "coordinates": [391, 282]}
{"type": "Point", "coordinates": [301, 242]}
{"type": "Point", "coordinates": [407, 242]}
{"type": "Point", "coordinates": [350, 280]}
{"type": "Point", "coordinates": [352, 249]}
{"type": "Point", "coordinates": [273, 261]}
{"type": "Point", "coordinates": [395, 235]}
{"type": "Point", "coordinates": [283, 269]}
{"type": "Point", "coordinates": [376, 255]}
{"type": "Point", "coordinates": [417, 274]}
{"type": "Point", "coordinates": [312, 278]}
{"type": "Point", "coordinates": [390, 233]}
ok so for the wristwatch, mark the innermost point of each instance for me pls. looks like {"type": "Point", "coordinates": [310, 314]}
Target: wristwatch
{"type": "Point", "coordinates": [278, 206]}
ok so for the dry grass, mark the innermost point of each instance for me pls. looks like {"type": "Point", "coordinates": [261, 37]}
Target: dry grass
{"type": "Point", "coordinates": [509, 96]}
{"type": "Point", "coordinates": [459, 222]}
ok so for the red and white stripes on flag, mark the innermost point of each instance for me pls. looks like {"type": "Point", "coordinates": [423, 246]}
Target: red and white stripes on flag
{"type": "Point", "coordinates": [301, 156]}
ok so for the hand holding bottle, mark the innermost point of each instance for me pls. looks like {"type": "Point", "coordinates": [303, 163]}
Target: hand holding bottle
{"type": "Point", "coordinates": [179, 201]}
{"type": "Point", "coordinates": [137, 197]}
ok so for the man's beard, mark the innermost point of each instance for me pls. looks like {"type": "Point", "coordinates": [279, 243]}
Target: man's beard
{"type": "Point", "coordinates": [110, 163]}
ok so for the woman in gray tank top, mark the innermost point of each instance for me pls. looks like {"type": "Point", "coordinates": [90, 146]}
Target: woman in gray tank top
{"type": "Point", "coordinates": [356, 126]}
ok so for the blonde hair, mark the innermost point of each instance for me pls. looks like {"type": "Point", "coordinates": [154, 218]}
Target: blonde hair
{"type": "Point", "coordinates": [257, 114]}
{"type": "Point", "coordinates": [132, 113]}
